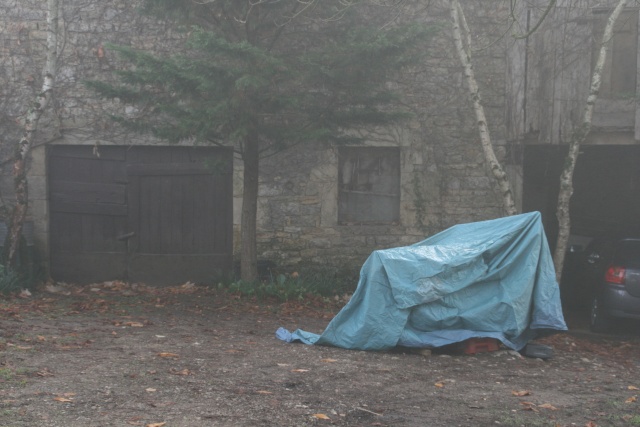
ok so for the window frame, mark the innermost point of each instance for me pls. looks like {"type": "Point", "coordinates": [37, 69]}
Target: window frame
{"type": "Point", "coordinates": [361, 195]}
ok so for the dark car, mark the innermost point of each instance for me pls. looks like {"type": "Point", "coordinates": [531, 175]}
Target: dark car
{"type": "Point", "coordinates": [608, 273]}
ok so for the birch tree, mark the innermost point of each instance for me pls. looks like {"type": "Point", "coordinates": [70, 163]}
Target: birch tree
{"type": "Point", "coordinates": [578, 136]}
{"type": "Point", "coordinates": [462, 41]}
{"type": "Point", "coordinates": [36, 108]}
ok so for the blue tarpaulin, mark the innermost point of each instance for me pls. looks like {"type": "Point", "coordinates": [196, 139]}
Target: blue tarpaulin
{"type": "Point", "coordinates": [491, 279]}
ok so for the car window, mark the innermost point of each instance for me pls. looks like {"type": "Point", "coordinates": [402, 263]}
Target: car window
{"type": "Point", "coordinates": [628, 253]}
{"type": "Point", "coordinates": [599, 251]}
{"type": "Point", "coordinates": [594, 245]}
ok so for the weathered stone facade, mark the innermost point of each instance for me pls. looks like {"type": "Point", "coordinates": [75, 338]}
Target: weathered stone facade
{"type": "Point", "coordinates": [443, 179]}
{"type": "Point", "coordinates": [442, 173]}
{"type": "Point", "coordinates": [76, 116]}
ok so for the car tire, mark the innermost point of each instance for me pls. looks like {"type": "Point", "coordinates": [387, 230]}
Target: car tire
{"type": "Point", "coordinates": [598, 320]}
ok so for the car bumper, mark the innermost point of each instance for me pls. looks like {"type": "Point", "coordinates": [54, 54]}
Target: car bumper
{"type": "Point", "coordinates": [617, 302]}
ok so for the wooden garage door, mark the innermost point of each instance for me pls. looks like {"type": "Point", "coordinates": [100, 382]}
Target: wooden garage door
{"type": "Point", "coordinates": [159, 215]}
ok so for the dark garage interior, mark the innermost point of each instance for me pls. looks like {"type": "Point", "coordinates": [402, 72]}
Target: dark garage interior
{"type": "Point", "coordinates": [605, 203]}
{"type": "Point", "coordinates": [606, 198]}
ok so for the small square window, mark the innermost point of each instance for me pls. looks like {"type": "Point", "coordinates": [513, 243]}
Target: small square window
{"type": "Point", "coordinates": [369, 185]}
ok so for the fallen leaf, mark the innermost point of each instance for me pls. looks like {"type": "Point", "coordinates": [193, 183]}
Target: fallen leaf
{"type": "Point", "coordinates": [329, 360]}
{"type": "Point", "coordinates": [44, 373]}
{"type": "Point", "coordinates": [591, 424]}
{"type": "Point", "coordinates": [439, 384]}
{"type": "Point", "coordinates": [150, 390]}
{"type": "Point", "coordinates": [62, 399]}
{"type": "Point", "coordinates": [631, 399]}
{"type": "Point", "coordinates": [299, 370]}
{"type": "Point", "coordinates": [134, 324]}
{"type": "Point", "coordinates": [264, 392]}
{"type": "Point", "coordinates": [548, 406]}
{"type": "Point", "coordinates": [168, 355]}
{"type": "Point", "coordinates": [155, 424]}
{"type": "Point", "coordinates": [631, 387]}
{"type": "Point", "coordinates": [68, 347]}
{"type": "Point", "coordinates": [521, 393]}
{"type": "Point", "coordinates": [182, 372]}
{"type": "Point", "coordinates": [529, 406]}
{"type": "Point", "coordinates": [321, 416]}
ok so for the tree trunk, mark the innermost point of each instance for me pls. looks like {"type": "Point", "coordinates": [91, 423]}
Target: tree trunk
{"type": "Point", "coordinates": [459, 26]}
{"type": "Point", "coordinates": [34, 112]}
{"type": "Point", "coordinates": [248, 251]}
{"type": "Point", "coordinates": [578, 136]}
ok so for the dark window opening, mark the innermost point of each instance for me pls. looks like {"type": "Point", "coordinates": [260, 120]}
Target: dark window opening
{"type": "Point", "coordinates": [369, 186]}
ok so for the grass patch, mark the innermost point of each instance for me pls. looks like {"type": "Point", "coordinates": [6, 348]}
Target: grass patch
{"type": "Point", "coordinates": [295, 286]}
{"type": "Point", "coordinates": [519, 421]}
{"type": "Point", "coordinates": [6, 374]}
{"type": "Point", "coordinates": [13, 377]}
{"type": "Point", "coordinates": [635, 420]}
{"type": "Point", "coordinates": [6, 413]}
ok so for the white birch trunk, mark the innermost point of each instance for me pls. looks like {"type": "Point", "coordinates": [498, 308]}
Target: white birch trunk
{"type": "Point", "coordinates": [34, 112]}
{"type": "Point", "coordinates": [577, 138]}
{"type": "Point", "coordinates": [461, 35]}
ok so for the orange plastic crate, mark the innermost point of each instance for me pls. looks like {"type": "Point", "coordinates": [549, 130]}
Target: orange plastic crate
{"type": "Point", "coordinates": [480, 345]}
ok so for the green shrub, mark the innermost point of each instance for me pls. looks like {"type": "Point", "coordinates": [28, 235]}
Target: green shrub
{"type": "Point", "coordinates": [10, 280]}
{"type": "Point", "coordinates": [27, 272]}
{"type": "Point", "coordinates": [297, 285]}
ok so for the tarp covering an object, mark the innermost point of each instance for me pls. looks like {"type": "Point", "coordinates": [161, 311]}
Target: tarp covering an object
{"type": "Point", "coordinates": [492, 279]}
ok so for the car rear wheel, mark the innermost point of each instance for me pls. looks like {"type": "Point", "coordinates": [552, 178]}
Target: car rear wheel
{"type": "Point", "coordinates": [599, 321]}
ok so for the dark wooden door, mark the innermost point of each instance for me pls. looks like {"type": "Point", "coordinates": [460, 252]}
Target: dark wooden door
{"type": "Point", "coordinates": [88, 212]}
{"type": "Point", "coordinates": [160, 215]}
{"type": "Point", "coordinates": [180, 209]}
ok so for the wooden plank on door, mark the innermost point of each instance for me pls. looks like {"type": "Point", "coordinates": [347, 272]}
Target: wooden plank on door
{"type": "Point", "coordinates": [88, 213]}
{"type": "Point", "coordinates": [183, 211]}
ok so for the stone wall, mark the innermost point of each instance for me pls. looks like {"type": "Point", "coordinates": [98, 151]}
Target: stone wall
{"type": "Point", "coordinates": [443, 177]}
{"type": "Point", "coordinates": [76, 116]}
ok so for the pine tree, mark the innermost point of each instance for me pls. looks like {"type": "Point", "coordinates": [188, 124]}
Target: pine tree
{"type": "Point", "coordinates": [263, 77]}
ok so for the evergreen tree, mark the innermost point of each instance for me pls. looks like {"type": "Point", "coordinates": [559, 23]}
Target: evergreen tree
{"type": "Point", "coordinates": [263, 76]}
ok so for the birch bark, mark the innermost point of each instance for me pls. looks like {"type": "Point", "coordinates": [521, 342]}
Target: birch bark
{"type": "Point", "coordinates": [462, 41]}
{"type": "Point", "coordinates": [35, 110]}
{"type": "Point", "coordinates": [578, 136]}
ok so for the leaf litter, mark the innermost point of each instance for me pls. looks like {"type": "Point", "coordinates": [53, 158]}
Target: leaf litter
{"type": "Point", "coordinates": [194, 356]}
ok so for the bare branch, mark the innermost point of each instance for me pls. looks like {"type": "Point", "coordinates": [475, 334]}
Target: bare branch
{"type": "Point", "coordinates": [550, 6]}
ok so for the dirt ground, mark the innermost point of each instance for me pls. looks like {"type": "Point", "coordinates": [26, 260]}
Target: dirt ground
{"type": "Point", "coordinates": [120, 355]}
